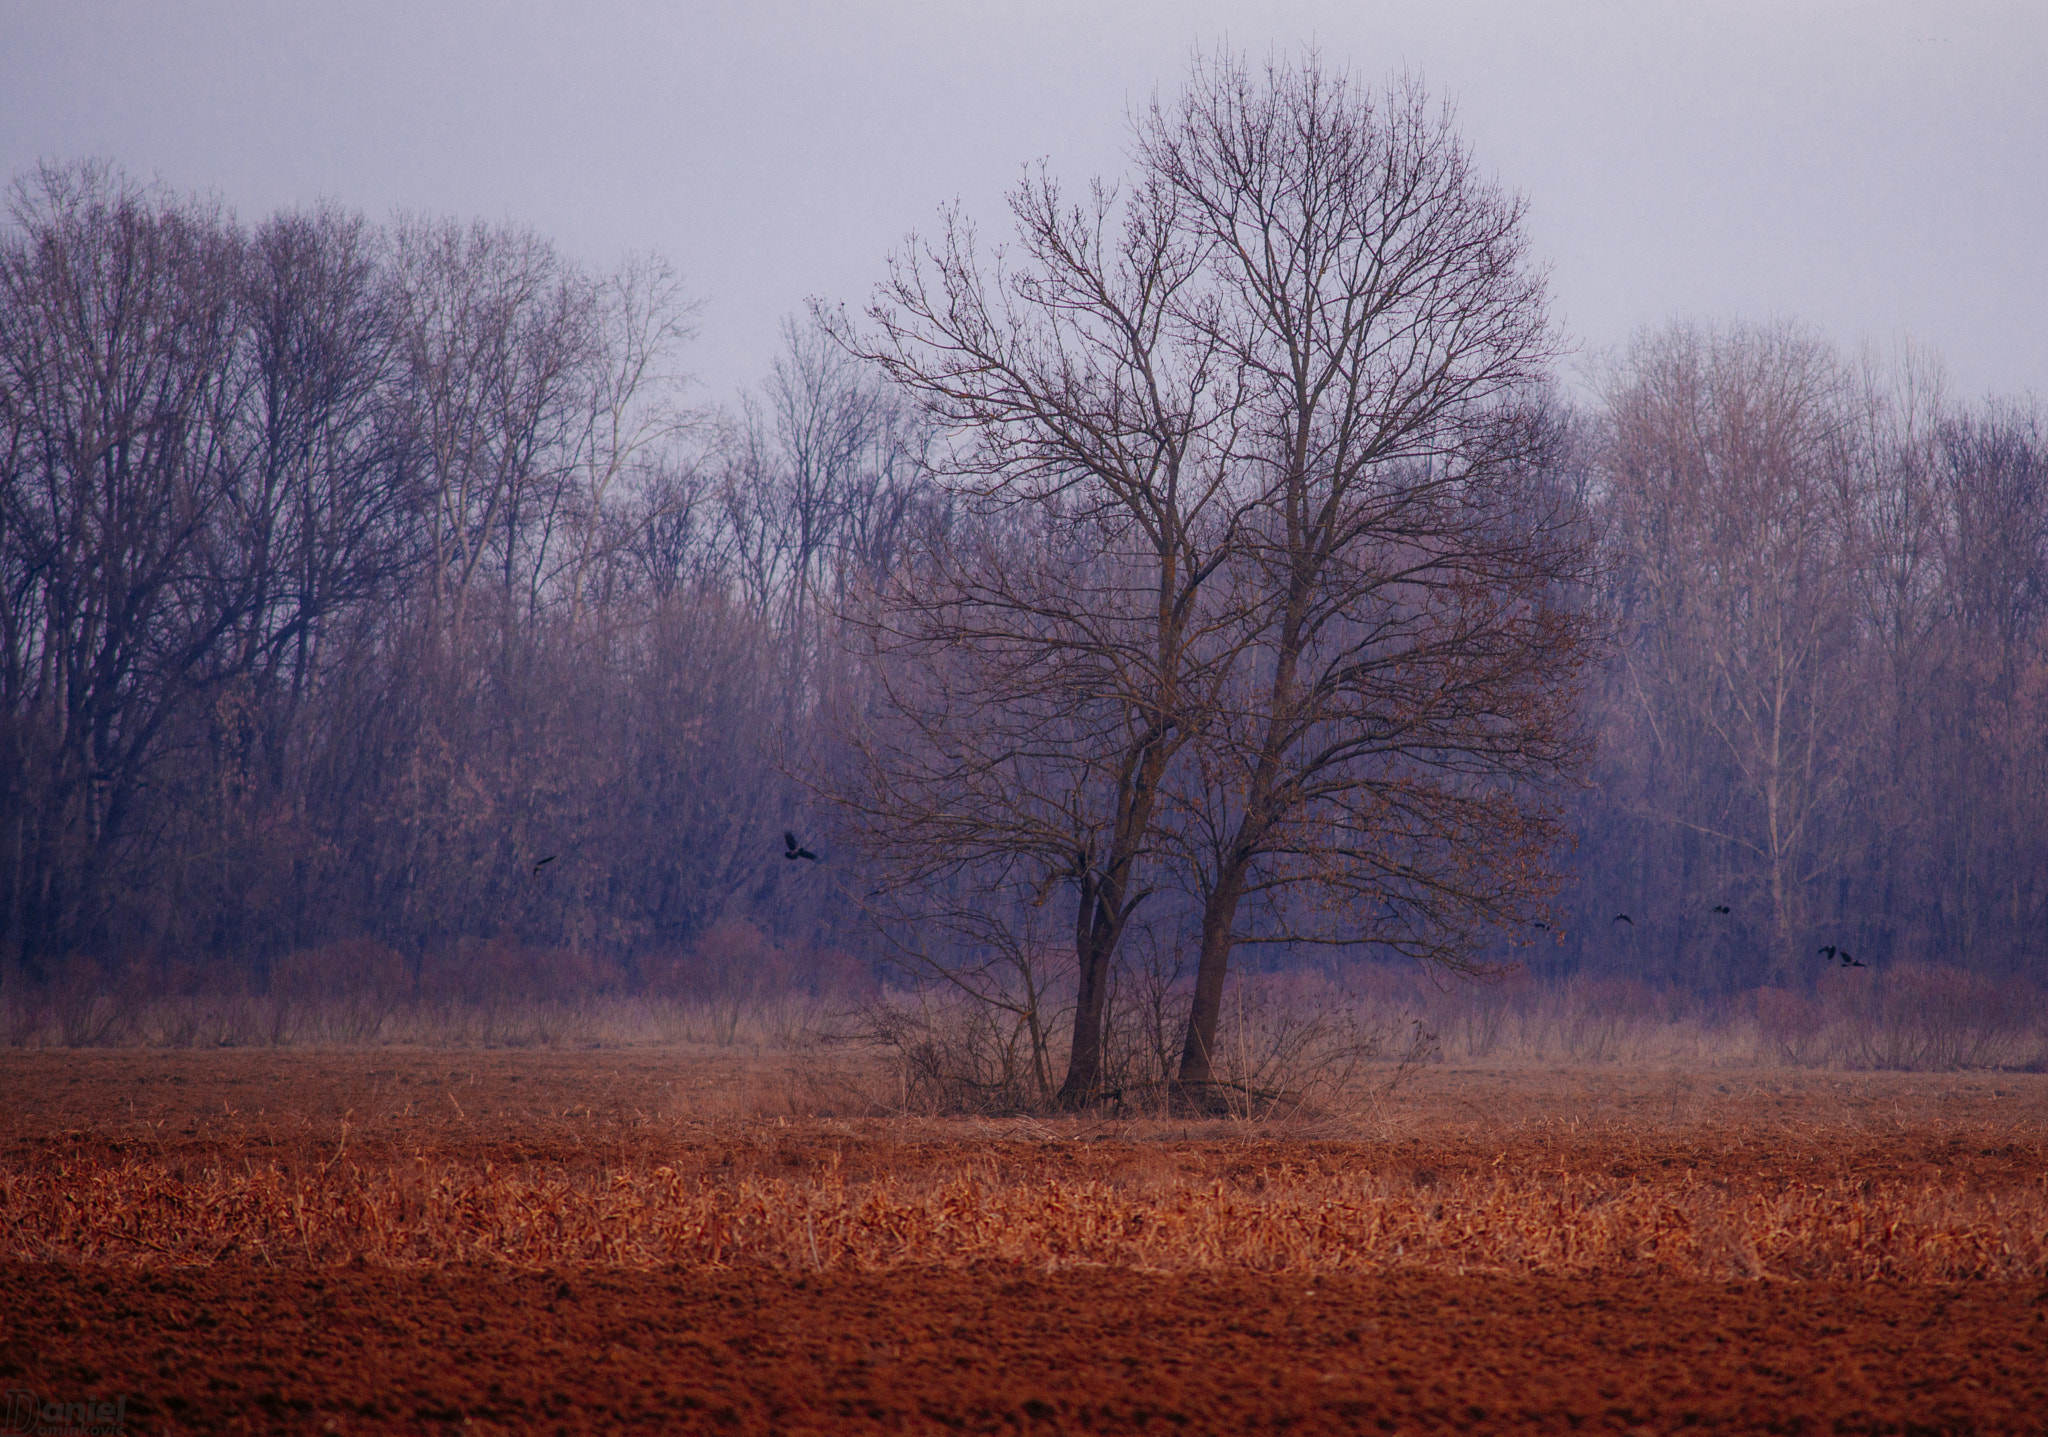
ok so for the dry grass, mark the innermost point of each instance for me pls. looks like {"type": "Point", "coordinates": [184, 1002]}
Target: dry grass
{"type": "Point", "coordinates": [1301, 1034]}
{"type": "Point", "coordinates": [1282, 1218]}
{"type": "Point", "coordinates": [711, 1160]}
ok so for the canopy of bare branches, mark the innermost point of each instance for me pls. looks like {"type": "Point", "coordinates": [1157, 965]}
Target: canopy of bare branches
{"type": "Point", "coordinates": [1269, 612]}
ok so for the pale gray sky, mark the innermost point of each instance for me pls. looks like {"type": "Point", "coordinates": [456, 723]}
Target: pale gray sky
{"type": "Point", "coordinates": [1875, 169]}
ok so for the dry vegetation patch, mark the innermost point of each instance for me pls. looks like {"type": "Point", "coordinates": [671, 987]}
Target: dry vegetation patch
{"type": "Point", "coordinates": [1286, 1217]}
{"type": "Point", "coordinates": [651, 1160]}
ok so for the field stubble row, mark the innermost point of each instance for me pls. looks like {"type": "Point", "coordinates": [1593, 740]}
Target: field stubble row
{"type": "Point", "coordinates": [1284, 1218]}
{"type": "Point", "coordinates": [652, 1161]}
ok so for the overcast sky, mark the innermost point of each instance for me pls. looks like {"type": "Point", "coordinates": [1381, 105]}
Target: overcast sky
{"type": "Point", "coordinates": [1877, 170]}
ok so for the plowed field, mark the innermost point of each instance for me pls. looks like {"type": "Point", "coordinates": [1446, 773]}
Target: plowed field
{"type": "Point", "coordinates": [359, 1242]}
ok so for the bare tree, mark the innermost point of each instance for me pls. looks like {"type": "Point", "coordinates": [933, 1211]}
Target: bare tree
{"type": "Point", "coordinates": [1734, 501]}
{"type": "Point", "coordinates": [1277, 605]}
{"type": "Point", "coordinates": [1987, 771]}
{"type": "Point", "coordinates": [1898, 410]}
{"type": "Point", "coordinates": [322, 500]}
{"type": "Point", "coordinates": [493, 331]}
{"type": "Point", "coordinates": [1016, 748]}
{"type": "Point", "coordinates": [116, 321]}
{"type": "Point", "coordinates": [1084, 393]}
{"type": "Point", "coordinates": [320, 517]}
{"type": "Point", "coordinates": [1403, 686]}
{"type": "Point", "coordinates": [631, 412]}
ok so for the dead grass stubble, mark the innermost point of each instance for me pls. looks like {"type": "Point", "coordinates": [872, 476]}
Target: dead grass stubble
{"type": "Point", "coordinates": [430, 1212]}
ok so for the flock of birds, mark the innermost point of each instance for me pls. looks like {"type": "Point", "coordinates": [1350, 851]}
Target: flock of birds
{"type": "Point", "coordinates": [1829, 951]}
{"type": "Point", "coordinates": [794, 850]}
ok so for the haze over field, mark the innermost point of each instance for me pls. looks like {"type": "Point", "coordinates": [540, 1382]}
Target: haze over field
{"type": "Point", "coordinates": [1391, 774]}
{"type": "Point", "coordinates": [1873, 169]}
{"type": "Point", "coordinates": [397, 640]}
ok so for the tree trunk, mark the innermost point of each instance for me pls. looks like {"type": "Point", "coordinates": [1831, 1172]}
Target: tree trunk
{"type": "Point", "coordinates": [1083, 1084]}
{"type": "Point", "coordinates": [1196, 1083]}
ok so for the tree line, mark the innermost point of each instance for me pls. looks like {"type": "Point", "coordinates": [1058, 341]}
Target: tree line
{"type": "Point", "coordinates": [1826, 721]}
{"type": "Point", "coordinates": [349, 571]}
{"type": "Point", "coordinates": [1216, 570]}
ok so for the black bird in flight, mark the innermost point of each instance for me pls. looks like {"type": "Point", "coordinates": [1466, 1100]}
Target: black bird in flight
{"type": "Point", "coordinates": [544, 863]}
{"type": "Point", "coordinates": [1848, 962]}
{"type": "Point", "coordinates": [1827, 951]}
{"type": "Point", "coordinates": [794, 849]}
{"type": "Point", "coordinates": [1719, 908]}
{"type": "Point", "coordinates": [1624, 918]}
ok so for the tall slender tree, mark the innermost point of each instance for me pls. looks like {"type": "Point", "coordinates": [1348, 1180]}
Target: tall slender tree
{"type": "Point", "coordinates": [1735, 498]}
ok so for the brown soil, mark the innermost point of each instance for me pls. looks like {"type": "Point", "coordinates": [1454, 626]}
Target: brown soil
{"type": "Point", "coordinates": [769, 1346]}
{"type": "Point", "coordinates": [1003, 1351]}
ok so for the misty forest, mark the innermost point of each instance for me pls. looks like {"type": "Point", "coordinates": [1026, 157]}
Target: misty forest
{"type": "Point", "coordinates": [1205, 628]}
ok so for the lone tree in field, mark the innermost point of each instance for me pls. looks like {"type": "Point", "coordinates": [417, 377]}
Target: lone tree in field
{"type": "Point", "coordinates": [1261, 582]}
{"type": "Point", "coordinates": [1405, 684]}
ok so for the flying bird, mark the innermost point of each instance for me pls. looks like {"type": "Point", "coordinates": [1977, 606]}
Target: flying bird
{"type": "Point", "coordinates": [795, 850]}
{"type": "Point", "coordinates": [544, 863]}
{"type": "Point", "coordinates": [1828, 952]}
{"type": "Point", "coordinates": [1719, 908]}
{"type": "Point", "coordinates": [1848, 962]}
{"type": "Point", "coordinates": [1623, 918]}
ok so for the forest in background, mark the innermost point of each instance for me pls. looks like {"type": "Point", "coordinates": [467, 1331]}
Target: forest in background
{"type": "Point", "coordinates": [348, 572]}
